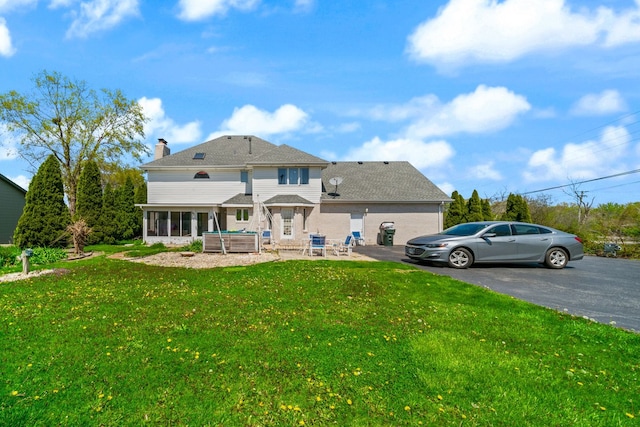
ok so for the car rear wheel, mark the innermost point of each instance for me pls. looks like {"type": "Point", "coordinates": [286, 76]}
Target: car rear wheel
{"type": "Point", "coordinates": [556, 258]}
{"type": "Point", "coordinates": [460, 258]}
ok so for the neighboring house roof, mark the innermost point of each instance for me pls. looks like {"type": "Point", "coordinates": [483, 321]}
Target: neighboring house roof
{"type": "Point", "coordinates": [235, 151]}
{"type": "Point", "coordinates": [379, 182]}
{"type": "Point", "coordinates": [286, 200]}
{"type": "Point", "coordinates": [13, 184]}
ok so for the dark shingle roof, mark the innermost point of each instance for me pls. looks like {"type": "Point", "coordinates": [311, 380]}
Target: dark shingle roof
{"type": "Point", "coordinates": [239, 199]}
{"type": "Point", "coordinates": [236, 151]}
{"type": "Point", "coordinates": [286, 155]}
{"type": "Point", "coordinates": [225, 151]}
{"type": "Point", "coordinates": [287, 199]}
{"type": "Point", "coordinates": [379, 182]}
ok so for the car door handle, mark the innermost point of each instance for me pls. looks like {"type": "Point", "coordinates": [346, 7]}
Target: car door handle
{"type": "Point", "coordinates": [512, 240]}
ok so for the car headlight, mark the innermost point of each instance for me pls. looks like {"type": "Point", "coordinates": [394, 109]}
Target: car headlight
{"type": "Point", "coordinates": [436, 245]}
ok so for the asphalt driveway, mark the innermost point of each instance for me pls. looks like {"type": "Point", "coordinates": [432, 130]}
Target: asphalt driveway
{"type": "Point", "coordinates": [606, 290]}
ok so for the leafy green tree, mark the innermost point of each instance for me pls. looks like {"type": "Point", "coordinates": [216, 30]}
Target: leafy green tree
{"type": "Point", "coordinates": [456, 211]}
{"type": "Point", "coordinates": [517, 209]}
{"type": "Point", "coordinates": [89, 202]}
{"type": "Point", "coordinates": [74, 123]}
{"type": "Point", "coordinates": [474, 208]}
{"type": "Point", "coordinates": [45, 216]}
{"type": "Point", "coordinates": [487, 213]}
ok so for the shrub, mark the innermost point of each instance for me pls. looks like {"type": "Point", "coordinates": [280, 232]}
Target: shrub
{"type": "Point", "coordinates": [48, 255]}
{"type": "Point", "coordinates": [9, 256]}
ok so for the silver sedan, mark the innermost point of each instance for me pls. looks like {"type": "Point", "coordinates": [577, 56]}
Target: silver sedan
{"type": "Point", "coordinates": [497, 242]}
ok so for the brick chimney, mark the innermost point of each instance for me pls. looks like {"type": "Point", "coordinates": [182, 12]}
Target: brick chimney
{"type": "Point", "coordinates": [162, 149]}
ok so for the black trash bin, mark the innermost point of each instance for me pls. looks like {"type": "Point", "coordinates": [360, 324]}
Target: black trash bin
{"type": "Point", "coordinates": [387, 231]}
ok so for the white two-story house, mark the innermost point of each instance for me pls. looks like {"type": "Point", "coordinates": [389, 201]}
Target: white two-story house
{"type": "Point", "coordinates": [246, 183]}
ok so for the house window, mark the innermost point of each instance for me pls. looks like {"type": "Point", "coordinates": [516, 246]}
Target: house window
{"type": "Point", "coordinates": [244, 176]}
{"type": "Point", "coordinates": [157, 223]}
{"type": "Point", "coordinates": [201, 175]}
{"type": "Point", "coordinates": [293, 176]}
{"type": "Point", "coordinates": [203, 222]}
{"type": "Point", "coordinates": [242, 215]}
{"type": "Point", "coordinates": [282, 176]}
{"type": "Point", "coordinates": [198, 156]}
{"type": "Point", "coordinates": [181, 223]}
{"type": "Point", "coordinates": [287, 223]}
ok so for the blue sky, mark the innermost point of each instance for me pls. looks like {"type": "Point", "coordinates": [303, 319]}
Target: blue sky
{"type": "Point", "coordinates": [499, 96]}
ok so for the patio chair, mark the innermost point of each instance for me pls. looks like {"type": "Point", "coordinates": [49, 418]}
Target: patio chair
{"type": "Point", "coordinates": [345, 247]}
{"type": "Point", "coordinates": [317, 242]}
{"type": "Point", "coordinates": [266, 236]}
{"type": "Point", "coordinates": [357, 236]}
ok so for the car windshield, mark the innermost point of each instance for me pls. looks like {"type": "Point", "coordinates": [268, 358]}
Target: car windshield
{"type": "Point", "coordinates": [464, 229]}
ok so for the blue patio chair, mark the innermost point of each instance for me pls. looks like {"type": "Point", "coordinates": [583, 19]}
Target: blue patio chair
{"type": "Point", "coordinates": [346, 246]}
{"type": "Point", "coordinates": [317, 242]}
{"type": "Point", "coordinates": [357, 236]}
{"type": "Point", "coordinates": [266, 236]}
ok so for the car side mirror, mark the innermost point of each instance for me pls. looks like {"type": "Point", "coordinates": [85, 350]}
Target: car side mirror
{"type": "Point", "coordinates": [489, 235]}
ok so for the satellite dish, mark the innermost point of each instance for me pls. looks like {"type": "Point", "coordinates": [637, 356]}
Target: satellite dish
{"type": "Point", "coordinates": [336, 180]}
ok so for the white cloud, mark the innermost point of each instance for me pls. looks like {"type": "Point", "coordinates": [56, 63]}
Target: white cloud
{"type": "Point", "coordinates": [100, 15]}
{"type": "Point", "coordinates": [303, 6]}
{"type": "Point", "coordinates": [485, 171]}
{"type": "Point", "coordinates": [8, 5]}
{"type": "Point", "coordinates": [251, 120]}
{"type": "Point", "coordinates": [195, 10]}
{"type": "Point", "coordinates": [21, 180]}
{"type": "Point", "coordinates": [486, 109]}
{"type": "Point", "coordinates": [164, 127]}
{"type": "Point", "coordinates": [598, 104]}
{"type": "Point", "coordinates": [416, 107]}
{"type": "Point", "coordinates": [8, 143]}
{"type": "Point", "coordinates": [446, 187]}
{"type": "Point", "coordinates": [468, 31]}
{"type": "Point", "coordinates": [586, 160]}
{"type": "Point", "coordinates": [420, 154]}
{"type": "Point", "coordinates": [6, 48]}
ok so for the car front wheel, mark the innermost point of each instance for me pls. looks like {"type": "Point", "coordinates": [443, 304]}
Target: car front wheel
{"type": "Point", "coordinates": [556, 258]}
{"type": "Point", "coordinates": [460, 258]}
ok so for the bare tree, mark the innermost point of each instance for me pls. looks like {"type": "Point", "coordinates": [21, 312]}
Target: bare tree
{"type": "Point", "coordinates": [65, 118]}
{"type": "Point", "coordinates": [582, 201]}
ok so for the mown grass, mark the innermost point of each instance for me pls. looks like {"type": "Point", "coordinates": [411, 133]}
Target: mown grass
{"type": "Point", "coordinates": [300, 343]}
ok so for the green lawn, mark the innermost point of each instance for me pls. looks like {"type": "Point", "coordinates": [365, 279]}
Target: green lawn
{"type": "Point", "coordinates": [300, 343]}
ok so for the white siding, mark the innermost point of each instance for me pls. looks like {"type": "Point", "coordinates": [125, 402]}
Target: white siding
{"type": "Point", "coordinates": [265, 185]}
{"type": "Point", "coordinates": [180, 187]}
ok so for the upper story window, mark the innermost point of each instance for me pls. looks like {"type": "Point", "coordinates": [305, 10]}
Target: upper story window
{"type": "Point", "coordinates": [199, 156]}
{"type": "Point", "coordinates": [293, 176]}
{"type": "Point", "coordinates": [201, 175]}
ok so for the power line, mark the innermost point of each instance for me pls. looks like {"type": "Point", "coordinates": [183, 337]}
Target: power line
{"type": "Point", "coordinates": [583, 182]}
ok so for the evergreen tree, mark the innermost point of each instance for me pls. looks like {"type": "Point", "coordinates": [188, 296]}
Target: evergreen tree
{"type": "Point", "coordinates": [108, 217]}
{"type": "Point", "coordinates": [517, 209]}
{"type": "Point", "coordinates": [487, 213]}
{"type": "Point", "coordinates": [45, 216]}
{"type": "Point", "coordinates": [456, 211]}
{"type": "Point", "coordinates": [89, 200]}
{"type": "Point", "coordinates": [474, 208]}
{"type": "Point", "coordinates": [126, 213]}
